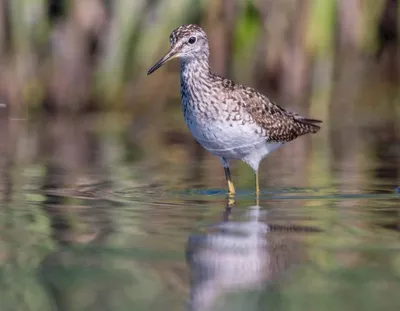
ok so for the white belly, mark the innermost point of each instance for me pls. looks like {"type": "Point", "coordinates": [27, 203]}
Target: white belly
{"type": "Point", "coordinates": [239, 141]}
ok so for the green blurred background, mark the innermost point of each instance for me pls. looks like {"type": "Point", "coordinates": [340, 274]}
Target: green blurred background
{"type": "Point", "coordinates": [74, 56]}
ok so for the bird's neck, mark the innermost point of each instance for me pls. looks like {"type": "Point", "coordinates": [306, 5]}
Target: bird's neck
{"type": "Point", "coordinates": [195, 71]}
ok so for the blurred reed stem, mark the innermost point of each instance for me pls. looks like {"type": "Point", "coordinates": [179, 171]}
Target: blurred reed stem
{"type": "Point", "coordinates": [111, 70]}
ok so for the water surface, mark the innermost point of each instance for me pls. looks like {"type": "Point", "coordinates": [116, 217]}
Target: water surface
{"type": "Point", "coordinates": [98, 216]}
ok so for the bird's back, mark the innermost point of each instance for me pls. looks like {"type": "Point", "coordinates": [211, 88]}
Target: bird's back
{"type": "Point", "coordinates": [275, 123]}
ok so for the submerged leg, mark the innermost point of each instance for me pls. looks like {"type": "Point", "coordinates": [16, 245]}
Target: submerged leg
{"type": "Point", "coordinates": [231, 187]}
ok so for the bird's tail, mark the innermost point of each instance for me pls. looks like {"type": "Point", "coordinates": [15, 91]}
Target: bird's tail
{"type": "Point", "coordinates": [312, 124]}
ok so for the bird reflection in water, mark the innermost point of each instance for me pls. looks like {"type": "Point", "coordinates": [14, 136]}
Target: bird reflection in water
{"type": "Point", "coordinates": [238, 256]}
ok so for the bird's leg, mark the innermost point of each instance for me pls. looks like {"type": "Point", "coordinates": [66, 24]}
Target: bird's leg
{"type": "Point", "coordinates": [231, 191]}
{"type": "Point", "coordinates": [231, 187]}
{"type": "Point", "coordinates": [257, 189]}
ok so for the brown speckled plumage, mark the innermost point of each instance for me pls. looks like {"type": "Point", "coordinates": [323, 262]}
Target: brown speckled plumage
{"type": "Point", "coordinates": [278, 124]}
{"type": "Point", "coordinates": [230, 120]}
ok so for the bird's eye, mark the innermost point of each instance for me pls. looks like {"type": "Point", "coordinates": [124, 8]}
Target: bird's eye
{"type": "Point", "coordinates": [192, 40]}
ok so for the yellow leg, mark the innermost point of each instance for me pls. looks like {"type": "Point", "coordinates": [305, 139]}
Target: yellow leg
{"type": "Point", "coordinates": [231, 187]}
{"type": "Point", "coordinates": [257, 185]}
{"type": "Point", "coordinates": [257, 190]}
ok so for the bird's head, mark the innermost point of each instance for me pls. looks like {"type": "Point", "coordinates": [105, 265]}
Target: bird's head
{"type": "Point", "coordinates": [187, 42]}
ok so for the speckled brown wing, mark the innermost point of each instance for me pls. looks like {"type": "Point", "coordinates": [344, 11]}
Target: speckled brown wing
{"type": "Point", "coordinates": [279, 125]}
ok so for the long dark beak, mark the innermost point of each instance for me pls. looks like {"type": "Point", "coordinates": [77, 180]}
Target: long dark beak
{"type": "Point", "coordinates": [170, 55]}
